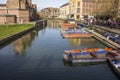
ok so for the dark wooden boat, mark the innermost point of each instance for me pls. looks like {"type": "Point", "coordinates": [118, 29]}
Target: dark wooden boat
{"type": "Point", "coordinates": [115, 65]}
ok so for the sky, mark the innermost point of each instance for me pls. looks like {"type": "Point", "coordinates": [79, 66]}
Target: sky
{"type": "Point", "coordinates": [45, 3]}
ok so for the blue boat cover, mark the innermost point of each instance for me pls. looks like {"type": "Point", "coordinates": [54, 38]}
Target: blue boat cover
{"type": "Point", "coordinates": [81, 53]}
{"type": "Point", "coordinates": [100, 51]}
{"type": "Point", "coordinates": [115, 61]}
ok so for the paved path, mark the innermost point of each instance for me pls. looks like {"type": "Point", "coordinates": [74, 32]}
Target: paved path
{"type": "Point", "coordinates": [109, 29]}
{"type": "Point", "coordinates": [103, 39]}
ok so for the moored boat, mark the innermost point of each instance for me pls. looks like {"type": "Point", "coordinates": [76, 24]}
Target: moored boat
{"type": "Point", "coordinates": [115, 65]}
{"type": "Point", "coordinates": [67, 25]}
{"type": "Point", "coordinates": [77, 35]}
{"type": "Point", "coordinates": [114, 53]}
{"type": "Point", "coordinates": [86, 55]}
{"type": "Point", "coordinates": [91, 50]}
{"type": "Point", "coordinates": [72, 31]}
{"type": "Point", "coordinates": [86, 59]}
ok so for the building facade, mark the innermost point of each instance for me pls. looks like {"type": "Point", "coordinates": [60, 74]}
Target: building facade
{"type": "Point", "coordinates": [81, 8]}
{"type": "Point", "coordinates": [64, 11]}
{"type": "Point", "coordinates": [49, 12]}
{"type": "Point", "coordinates": [18, 11]}
{"type": "Point", "coordinates": [75, 9]}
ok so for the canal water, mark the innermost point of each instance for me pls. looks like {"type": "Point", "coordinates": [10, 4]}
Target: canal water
{"type": "Point", "coordinates": [38, 56]}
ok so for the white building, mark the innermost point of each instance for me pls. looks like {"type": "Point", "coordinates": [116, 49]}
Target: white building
{"type": "Point", "coordinates": [64, 11]}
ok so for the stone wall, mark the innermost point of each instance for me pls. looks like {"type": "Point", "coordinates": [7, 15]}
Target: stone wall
{"type": "Point", "coordinates": [15, 36]}
{"type": "Point", "coordinates": [2, 19]}
{"type": "Point", "coordinates": [2, 11]}
{"type": "Point", "coordinates": [7, 19]}
{"type": "Point", "coordinates": [13, 4]}
{"type": "Point", "coordinates": [24, 15]}
{"type": "Point", "coordinates": [10, 19]}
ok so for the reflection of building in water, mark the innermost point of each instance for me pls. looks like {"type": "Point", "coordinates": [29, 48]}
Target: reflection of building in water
{"type": "Point", "coordinates": [52, 24]}
{"type": "Point", "coordinates": [74, 42]}
{"type": "Point", "coordinates": [20, 45]}
{"type": "Point", "coordinates": [87, 42]}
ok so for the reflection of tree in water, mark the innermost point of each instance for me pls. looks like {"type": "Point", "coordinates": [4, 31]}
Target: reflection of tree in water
{"type": "Point", "coordinates": [52, 24]}
{"type": "Point", "coordinates": [85, 42]}
{"type": "Point", "coordinates": [20, 45]}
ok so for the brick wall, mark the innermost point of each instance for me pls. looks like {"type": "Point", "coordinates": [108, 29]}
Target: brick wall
{"type": "Point", "coordinates": [10, 19]}
{"type": "Point", "coordinates": [22, 4]}
{"type": "Point", "coordinates": [20, 9]}
{"type": "Point", "coordinates": [13, 4]}
{"type": "Point", "coordinates": [7, 19]}
{"type": "Point", "coordinates": [21, 14]}
{"type": "Point", "coordinates": [2, 11]}
{"type": "Point", "coordinates": [2, 19]}
{"type": "Point", "coordinates": [24, 15]}
{"type": "Point", "coordinates": [14, 12]}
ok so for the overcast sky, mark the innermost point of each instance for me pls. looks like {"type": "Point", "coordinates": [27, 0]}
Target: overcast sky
{"type": "Point", "coordinates": [45, 3]}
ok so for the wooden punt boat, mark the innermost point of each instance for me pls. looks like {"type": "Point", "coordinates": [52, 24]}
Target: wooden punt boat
{"type": "Point", "coordinates": [72, 31]}
{"type": "Point", "coordinates": [67, 25]}
{"type": "Point", "coordinates": [82, 63]}
{"type": "Point", "coordinates": [86, 55]}
{"type": "Point", "coordinates": [91, 50]}
{"type": "Point", "coordinates": [71, 59]}
{"type": "Point", "coordinates": [77, 35]}
{"type": "Point", "coordinates": [114, 53]}
{"type": "Point", "coordinates": [115, 65]}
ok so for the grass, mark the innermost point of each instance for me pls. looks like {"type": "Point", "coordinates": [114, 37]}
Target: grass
{"type": "Point", "coordinates": [8, 30]}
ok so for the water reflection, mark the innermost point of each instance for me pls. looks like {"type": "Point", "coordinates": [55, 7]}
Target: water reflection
{"type": "Point", "coordinates": [81, 64]}
{"type": "Point", "coordinates": [52, 24]}
{"type": "Point", "coordinates": [20, 45]}
{"type": "Point", "coordinates": [85, 42]}
{"type": "Point", "coordinates": [43, 57]}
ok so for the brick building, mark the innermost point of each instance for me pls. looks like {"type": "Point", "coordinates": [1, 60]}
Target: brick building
{"type": "Point", "coordinates": [64, 11]}
{"type": "Point", "coordinates": [80, 8]}
{"type": "Point", "coordinates": [75, 9]}
{"type": "Point", "coordinates": [49, 12]}
{"type": "Point", "coordinates": [18, 11]}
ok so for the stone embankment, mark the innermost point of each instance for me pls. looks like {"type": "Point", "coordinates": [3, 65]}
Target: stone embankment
{"type": "Point", "coordinates": [117, 31]}
{"type": "Point", "coordinates": [13, 37]}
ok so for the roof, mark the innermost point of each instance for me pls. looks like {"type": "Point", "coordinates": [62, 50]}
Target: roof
{"type": "Point", "coordinates": [2, 4]}
{"type": "Point", "coordinates": [64, 5]}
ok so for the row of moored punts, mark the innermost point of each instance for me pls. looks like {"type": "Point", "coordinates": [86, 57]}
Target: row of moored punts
{"type": "Point", "coordinates": [91, 55]}
{"type": "Point", "coordinates": [94, 55]}
{"type": "Point", "coordinates": [70, 31]}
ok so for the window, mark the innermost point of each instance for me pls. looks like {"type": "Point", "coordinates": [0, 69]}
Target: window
{"type": "Point", "coordinates": [86, 4]}
{"type": "Point", "coordinates": [78, 16]}
{"type": "Point", "coordinates": [78, 10]}
{"type": "Point", "coordinates": [83, 4]}
{"type": "Point", "coordinates": [78, 3]}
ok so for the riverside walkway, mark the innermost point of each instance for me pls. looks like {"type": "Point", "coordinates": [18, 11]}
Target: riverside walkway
{"type": "Point", "coordinates": [108, 29]}
{"type": "Point", "coordinates": [103, 39]}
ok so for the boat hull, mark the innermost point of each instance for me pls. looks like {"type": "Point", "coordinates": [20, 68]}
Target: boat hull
{"type": "Point", "coordinates": [82, 60]}
{"type": "Point", "coordinates": [113, 67]}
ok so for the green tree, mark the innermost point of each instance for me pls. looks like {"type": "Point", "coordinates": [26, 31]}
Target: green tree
{"type": "Point", "coordinates": [107, 8]}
